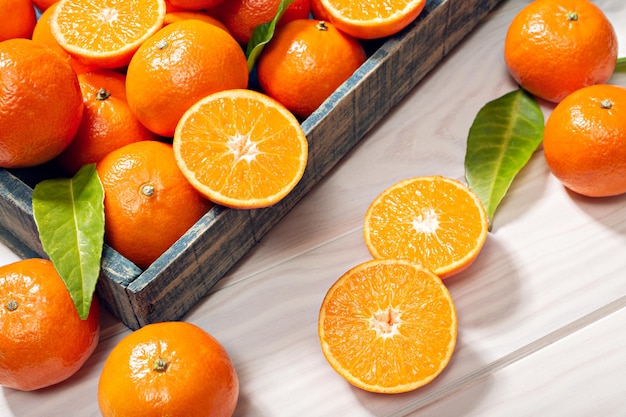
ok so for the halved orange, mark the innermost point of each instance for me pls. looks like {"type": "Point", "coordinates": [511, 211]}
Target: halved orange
{"type": "Point", "coordinates": [241, 148]}
{"type": "Point", "coordinates": [388, 326]}
{"type": "Point", "coordinates": [373, 18]}
{"type": "Point", "coordinates": [435, 221]}
{"type": "Point", "coordinates": [105, 33]}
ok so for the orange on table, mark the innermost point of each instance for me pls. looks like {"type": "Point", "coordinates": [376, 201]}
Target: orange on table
{"type": "Point", "coordinates": [109, 31]}
{"type": "Point", "coordinates": [171, 17]}
{"type": "Point", "coordinates": [42, 339]}
{"type": "Point", "coordinates": [242, 16]}
{"type": "Point", "coordinates": [372, 19]}
{"type": "Point", "coordinates": [434, 221]}
{"type": "Point", "coordinates": [43, 34]}
{"type": "Point", "coordinates": [148, 204]}
{"type": "Point", "coordinates": [168, 368]}
{"type": "Point", "coordinates": [584, 141]}
{"type": "Point", "coordinates": [177, 66]}
{"type": "Point", "coordinates": [555, 47]}
{"type": "Point", "coordinates": [241, 149]}
{"type": "Point", "coordinates": [388, 326]}
{"type": "Point", "coordinates": [195, 4]}
{"type": "Point", "coordinates": [306, 61]}
{"type": "Point", "coordinates": [40, 103]}
{"type": "Point", "coordinates": [17, 19]}
{"type": "Point", "coordinates": [107, 123]}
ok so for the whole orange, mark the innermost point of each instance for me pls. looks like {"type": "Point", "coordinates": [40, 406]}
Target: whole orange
{"type": "Point", "coordinates": [17, 19]}
{"type": "Point", "coordinates": [40, 103]}
{"type": "Point", "coordinates": [42, 339]}
{"type": "Point", "coordinates": [585, 141]}
{"type": "Point", "coordinates": [305, 62]}
{"type": "Point", "coordinates": [168, 369]}
{"type": "Point", "coordinates": [148, 203]}
{"type": "Point", "coordinates": [174, 68]}
{"type": "Point", "coordinates": [107, 123]}
{"type": "Point", "coordinates": [242, 16]}
{"type": "Point", "coordinates": [554, 47]}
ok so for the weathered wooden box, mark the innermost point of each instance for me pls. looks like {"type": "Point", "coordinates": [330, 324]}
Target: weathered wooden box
{"type": "Point", "coordinates": [187, 271]}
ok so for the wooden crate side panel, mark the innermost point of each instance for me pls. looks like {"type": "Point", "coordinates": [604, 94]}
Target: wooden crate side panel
{"type": "Point", "coordinates": [16, 214]}
{"type": "Point", "coordinates": [19, 232]}
{"type": "Point", "coordinates": [116, 274]}
{"type": "Point", "coordinates": [192, 266]}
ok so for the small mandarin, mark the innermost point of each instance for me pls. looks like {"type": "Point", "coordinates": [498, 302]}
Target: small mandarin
{"type": "Point", "coordinates": [306, 61]}
{"type": "Point", "coordinates": [42, 338]}
{"type": "Point", "coordinates": [241, 17]}
{"type": "Point", "coordinates": [168, 369]}
{"type": "Point", "coordinates": [585, 141]}
{"type": "Point", "coordinates": [40, 103]}
{"type": "Point", "coordinates": [148, 204]}
{"type": "Point", "coordinates": [17, 19]}
{"type": "Point", "coordinates": [177, 66]}
{"type": "Point", "coordinates": [555, 47]}
{"type": "Point", "coordinates": [107, 122]}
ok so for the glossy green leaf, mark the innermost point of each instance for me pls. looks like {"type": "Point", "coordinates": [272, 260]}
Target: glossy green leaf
{"type": "Point", "coordinates": [621, 65]}
{"type": "Point", "coordinates": [69, 214]}
{"type": "Point", "coordinates": [262, 34]}
{"type": "Point", "coordinates": [503, 137]}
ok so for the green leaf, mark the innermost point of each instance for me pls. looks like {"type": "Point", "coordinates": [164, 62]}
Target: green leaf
{"type": "Point", "coordinates": [621, 65]}
{"type": "Point", "coordinates": [69, 214]}
{"type": "Point", "coordinates": [262, 34]}
{"type": "Point", "coordinates": [504, 135]}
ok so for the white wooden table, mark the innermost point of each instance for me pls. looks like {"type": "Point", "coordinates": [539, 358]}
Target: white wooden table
{"type": "Point", "coordinates": [542, 312]}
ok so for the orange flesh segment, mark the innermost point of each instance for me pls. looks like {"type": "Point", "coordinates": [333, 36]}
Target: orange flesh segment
{"type": "Point", "coordinates": [388, 326]}
{"type": "Point", "coordinates": [241, 149]}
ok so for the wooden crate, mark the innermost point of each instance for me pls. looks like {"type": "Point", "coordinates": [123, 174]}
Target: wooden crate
{"type": "Point", "coordinates": [187, 271]}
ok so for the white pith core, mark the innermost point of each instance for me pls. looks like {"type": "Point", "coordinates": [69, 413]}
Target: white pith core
{"type": "Point", "coordinates": [427, 222]}
{"type": "Point", "coordinates": [108, 15]}
{"type": "Point", "coordinates": [243, 148]}
{"type": "Point", "coordinates": [386, 322]}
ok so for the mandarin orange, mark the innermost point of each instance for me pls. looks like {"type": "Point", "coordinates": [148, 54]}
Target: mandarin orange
{"type": "Point", "coordinates": [241, 149]}
{"type": "Point", "coordinates": [388, 326]}
{"type": "Point", "coordinates": [241, 17]}
{"type": "Point", "coordinates": [434, 221]}
{"type": "Point", "coordinates": [17, 19]}
{"type": "Point", "coordinates": [168, 369]}
{"type": "Point", "coordinates": [372, 19]}
{"type": "Point", "coordinates": [107, 123]}
{"type": "Point", "coordinates": [177, 66]}
{"type": "Point", "coordinates": [110, 30]}
{"type": "Point", "coordinates": [585, 141]}
{"type": "Point", "coordinates": [40, 103]}
{"type": "Point", "coordinates": [148, 203]}
{"type": "Point", "coordinates": [555, 47]}
{"type": "Point", "coordinates": [305, 62]}
{"type": "Point", "coordinates": [42, 339]}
